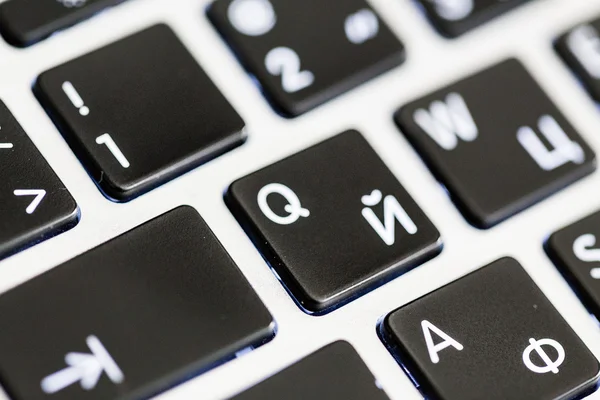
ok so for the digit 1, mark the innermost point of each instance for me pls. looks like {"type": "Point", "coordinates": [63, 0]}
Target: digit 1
{"type": "Point", "coordinates": [113, 148]}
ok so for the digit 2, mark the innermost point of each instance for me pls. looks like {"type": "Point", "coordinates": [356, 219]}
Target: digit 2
{"type": "Point", "coordinates": [285, 62]}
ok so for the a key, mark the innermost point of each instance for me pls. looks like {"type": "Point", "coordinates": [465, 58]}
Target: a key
{"type": "Point", "coordinates": [452, 18]}
{"type": "Point", "coordinates": [333, 372]}
{"type": "Point", "coordinates": [497, 142]}
{"type": "Point", "coordinates": [580, 48]}
{"type": "Point", "coordinates": [576, 252]}
{"type": "Point", "coordinates": [25, 22]}
{"type": "Point", "coordinates": [490, 335]}
{"type": "Point", "coordinates": [303, 53]}
{"type": "Point", "coordinates": [34, 203]}
{"type": "Point", "coordinates": [139, 112]}
{"type": "Point", "coordinates": [333, 221]}
{"type": "Point", "coordinates": [131, 317]}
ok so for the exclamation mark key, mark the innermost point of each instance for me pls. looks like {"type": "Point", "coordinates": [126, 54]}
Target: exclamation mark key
{"type": "Point", "coordinates": [130, 120]}
{"type": "Point", "coordinates": [75, 98]}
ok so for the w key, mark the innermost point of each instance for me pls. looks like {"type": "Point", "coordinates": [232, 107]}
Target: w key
{"type": "Point", "coordinates": [304, 53]}
{"type": "Point", "coordinates": [497, 142]}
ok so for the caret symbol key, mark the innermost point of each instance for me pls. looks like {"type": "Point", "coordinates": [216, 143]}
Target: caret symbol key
{"type": "Point", "coordinates": [538, 347]}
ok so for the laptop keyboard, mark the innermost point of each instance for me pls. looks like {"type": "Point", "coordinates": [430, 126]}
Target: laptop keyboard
{"type": "Point", "coordinates": [259, 199]}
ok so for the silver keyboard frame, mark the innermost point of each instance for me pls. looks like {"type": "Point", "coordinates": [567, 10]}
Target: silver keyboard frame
{"type": "Point", "coordinates": [432, 62]}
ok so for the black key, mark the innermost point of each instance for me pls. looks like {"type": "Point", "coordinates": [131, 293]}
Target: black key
{"type": "Point", "coordinates": [575, 251]}
{"type": "Point", "coordinates": [497, 142]}
{"type": "Point", "coordinates": [131, 317]}
{"type": "Point", "coordinates": [454, 17]}
{"type": "Point", "coordinates": [25, 22]}
{"type": "Point", "coordinates": [34, 203]}
{"type": "Point", "coordinates": [580, 48]}
{"type": "Point", "coordinates": [139, 112]}
{"type": "Point", "coordinates": [333, 221]}
{"type": "Point", "coordinates": [303, 53]}
{"type": "Point", "coordinates": [333, 372]}
{"type": "Point", "coordinates": [491, 335]}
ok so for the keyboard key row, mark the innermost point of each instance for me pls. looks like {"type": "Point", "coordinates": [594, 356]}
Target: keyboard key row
{"type": "Point", "coordinates": [22, 27]}
{"type": "Point", "coordinates": [491, 334]}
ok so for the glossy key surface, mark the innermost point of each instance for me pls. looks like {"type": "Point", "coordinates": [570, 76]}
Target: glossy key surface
{"type": "Point", "coordinates": [333, 221]}
{"type": "Point", "coordinates": [34, 203]}
{"type": "Point", "coordinates": [333, 372]}
{"type": "Point", "coordinates": [575, 250]}
{"type": "Point", "coordinates": [132, 317]}
{"type": "Point", "coordinates": [139, 112]}
{"type": "Point", "coordinates": [580, 48]}
{"type": "Point", "coordinates": [491, 335]}
{"type": "Point", "coordinates": [496, 142]}
{"type": "Point", "coordinates": [304, 53]}
{"type": "Point", "coordinates": [25, 22]}
{"type": "Point", "coordinates": [455, 17]}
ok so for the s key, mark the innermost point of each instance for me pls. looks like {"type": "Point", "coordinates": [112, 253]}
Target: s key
{"type": "Point", "coordinates": [304, 53]}
{"type": "Point", "coordinates": [130, 318]}
{"type": "Point", "coordinates": [34, 203]}
{"type": "Point", "coordinates": [497, 142]}
{"type": "Point", "coordinates": [575, 250]}
{"type": "Point", "coordinates": [333, 221]}
{"type": "Point", "coordinates": [24, 22]}
{"type": "Point", "coordinates": [139, 112]}
{"type": "Point", "coordinates": [490, 335]}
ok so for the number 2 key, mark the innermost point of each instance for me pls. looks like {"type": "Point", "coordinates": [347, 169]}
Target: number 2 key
{"type": "Point", "coordinates": [304, 53]}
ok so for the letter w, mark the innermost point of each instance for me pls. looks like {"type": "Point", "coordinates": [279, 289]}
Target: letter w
{"type": "Point", "coordinates": [445, 121]}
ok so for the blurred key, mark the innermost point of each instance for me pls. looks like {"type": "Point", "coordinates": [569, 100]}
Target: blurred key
{"type": "Point", "coordinates": [304, 53]}
{"type": "Point", "coordinates": [580, 48]}
{"type": "Point", "coordinates": [455, 17]}
{"type": "Point", "coordinates": [24, 22]}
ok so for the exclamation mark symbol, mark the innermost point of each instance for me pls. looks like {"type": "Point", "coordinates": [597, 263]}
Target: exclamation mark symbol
{"type": "Point", "coordinates": [75, 98]}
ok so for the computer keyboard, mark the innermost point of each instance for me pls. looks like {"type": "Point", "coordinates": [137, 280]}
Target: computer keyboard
{"type": "Point", "coordinates": [259, 199]}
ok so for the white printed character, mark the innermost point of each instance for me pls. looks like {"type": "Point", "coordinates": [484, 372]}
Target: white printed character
{"type": "Point", "coordinates": [392, 211]}
{"type": "Point", "coordinates": [447, 121]}
{"type": "Point", "coordinates": [564, 150]}
{"type": "Point", "coordinates": [584, 43]}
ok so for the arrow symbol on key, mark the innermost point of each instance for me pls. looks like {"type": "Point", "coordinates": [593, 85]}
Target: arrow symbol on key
{"type": "Point", "coordinates": [39, 195]}
{"type": "Point", "coordinates": [84, 368]}
{"type": "Point", "coordinates": [6, 146]}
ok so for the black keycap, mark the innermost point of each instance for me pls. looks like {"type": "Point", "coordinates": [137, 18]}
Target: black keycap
{"type": "Point", "coordinates": [303, 53]}
{"type": "Point", "coordinates": [497, 142]}
{"type": "Point", "coordinates": [131, 317]}
{"type": "Point", "coordinates": [24, 22]}
{"type": "Point", "coordinates": [452, 18]}
{"type": "Point", "coordinates": [34, 203]}
{"type": "Point", "coordinates": [490, 335]}
{"type": "Point", "coordinates": [580, 48]}
{"type": "Point", "coordinates": [333, 372]}
{"type": "Point", "coordinates": [576, 251]}
{"type": "Point", "coordinates": [333, 221]}
{"type": "Point", "coordinates": [139, 112]}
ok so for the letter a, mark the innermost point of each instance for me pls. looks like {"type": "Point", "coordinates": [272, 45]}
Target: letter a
{"type": "Point", "coordinates": [434, 349]}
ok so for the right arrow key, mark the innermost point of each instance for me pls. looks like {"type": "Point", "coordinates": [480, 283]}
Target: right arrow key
{"type": "Point", "coordinates": [490, 335]}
